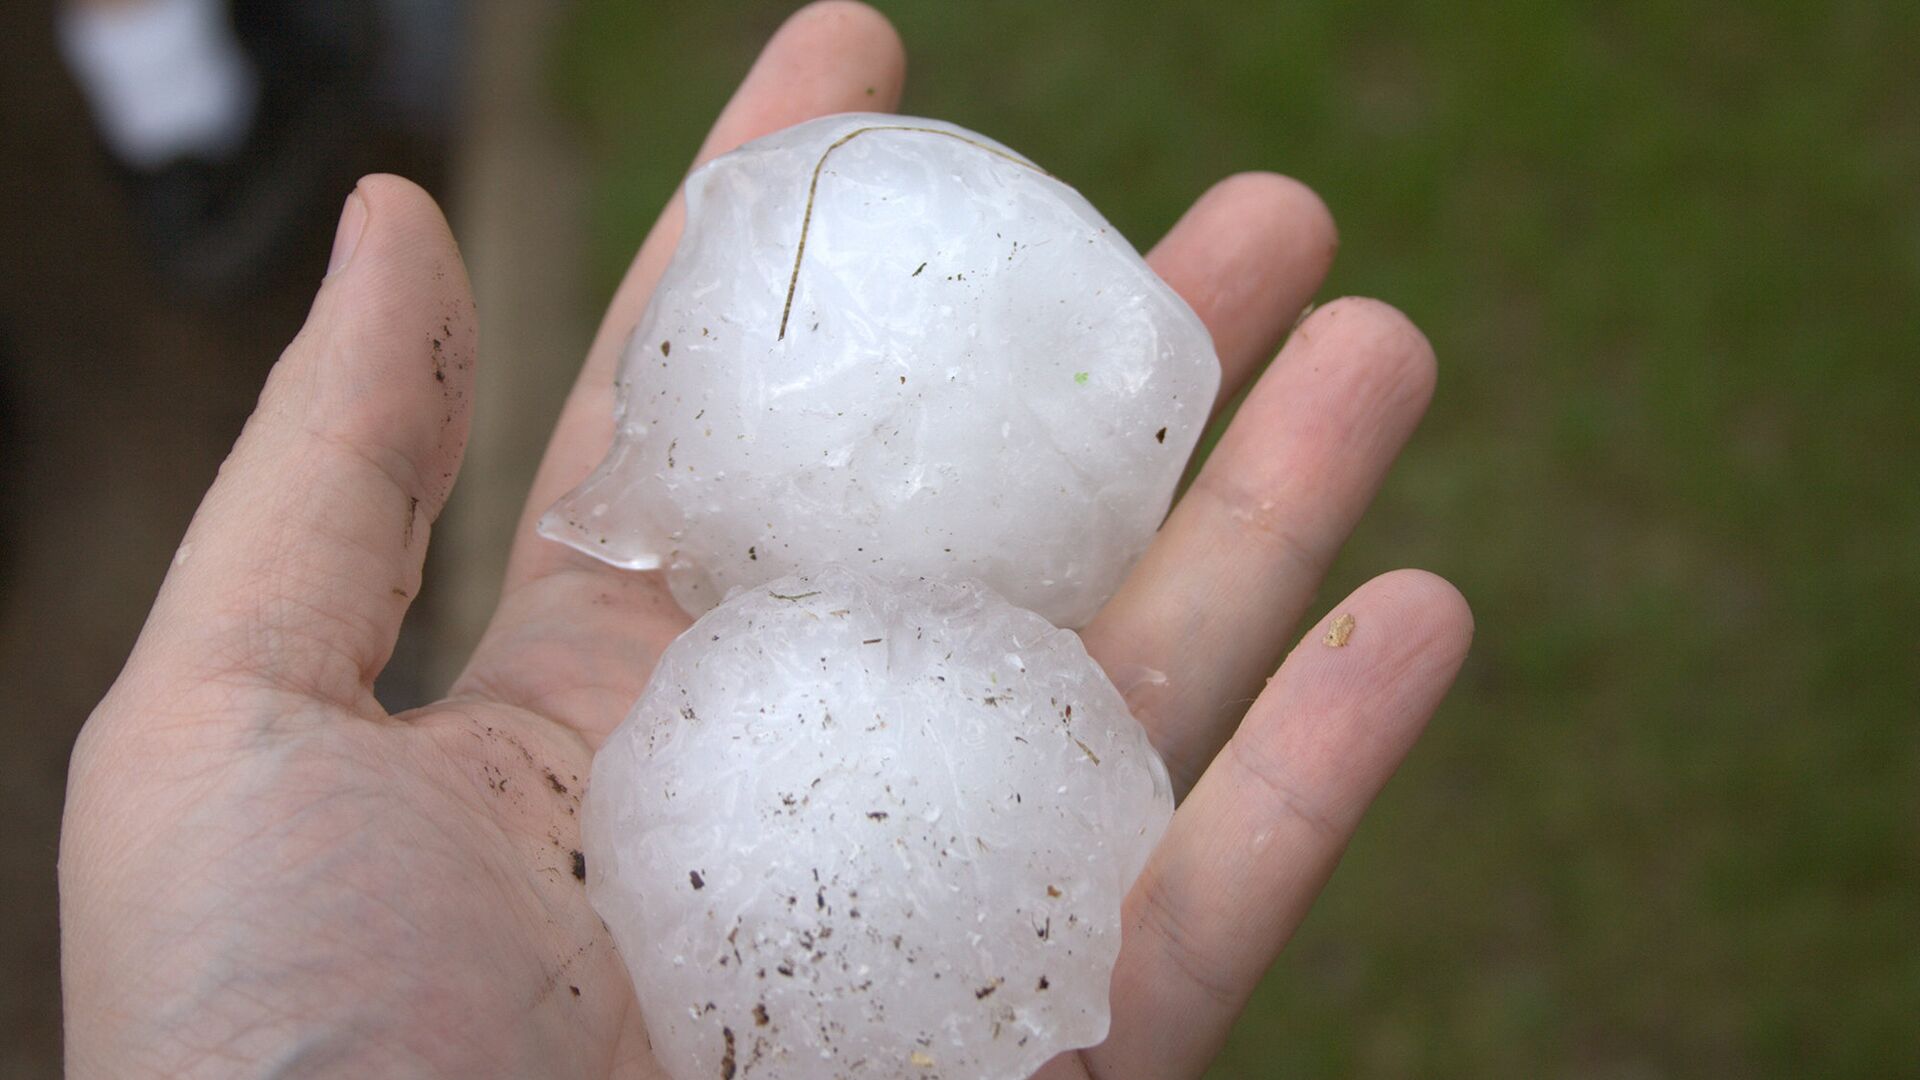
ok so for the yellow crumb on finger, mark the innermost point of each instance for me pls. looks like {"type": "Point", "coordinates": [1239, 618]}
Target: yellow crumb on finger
{"type": "Point", "coordinates": [1340, 631]}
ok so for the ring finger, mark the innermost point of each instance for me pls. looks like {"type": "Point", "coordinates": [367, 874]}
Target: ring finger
{"type": "Point", "coordinates": [1198, 626]}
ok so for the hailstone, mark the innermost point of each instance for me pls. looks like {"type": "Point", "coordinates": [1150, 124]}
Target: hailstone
{"type": "Point", "coordinates": [897, 344]}
{"type": "Point", "coordinates": [867, 829]}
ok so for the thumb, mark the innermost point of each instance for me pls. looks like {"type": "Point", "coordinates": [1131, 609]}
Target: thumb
{"type": "Point", "coordinates": [307, 550]}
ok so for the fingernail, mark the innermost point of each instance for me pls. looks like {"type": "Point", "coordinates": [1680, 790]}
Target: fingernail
{"type": "Point", "coordinates": [346, 237]}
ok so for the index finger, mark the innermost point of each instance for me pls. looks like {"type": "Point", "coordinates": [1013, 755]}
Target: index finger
{"type": "Point", "coordinates": [576, 636]}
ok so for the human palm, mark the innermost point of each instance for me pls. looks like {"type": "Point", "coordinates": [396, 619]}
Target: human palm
{"type": "Point", "coordinates": [262, 871]}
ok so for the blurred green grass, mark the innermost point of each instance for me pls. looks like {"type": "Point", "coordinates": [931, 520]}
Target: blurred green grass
{"type": "Point", "coordinates": [1669, 255]}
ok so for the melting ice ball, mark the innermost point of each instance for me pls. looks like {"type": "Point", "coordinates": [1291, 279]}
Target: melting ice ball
{"type": "Point", "coordinates": [857, 829]}
{"type": "Point", "coordinates": [897, 344]}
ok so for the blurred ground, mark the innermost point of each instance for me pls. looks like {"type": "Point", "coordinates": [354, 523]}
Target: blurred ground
{"type": "Point", "coordinates": [1669, 824]}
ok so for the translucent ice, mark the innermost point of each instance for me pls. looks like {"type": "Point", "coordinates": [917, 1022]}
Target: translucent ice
{"type": "Point", "coordinates": [857, 829]}
{"type": "Point", "coordinates": [897, 344]}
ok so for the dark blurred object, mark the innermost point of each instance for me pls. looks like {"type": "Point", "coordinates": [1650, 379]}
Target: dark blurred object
{"type": "Point", "coordinates": [341, 85]}
{"type": "Point", "coordinates": [221, 227]}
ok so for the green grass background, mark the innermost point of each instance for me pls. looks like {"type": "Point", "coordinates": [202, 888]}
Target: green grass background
{"type": "Point", "coordinates": [1669, 255]}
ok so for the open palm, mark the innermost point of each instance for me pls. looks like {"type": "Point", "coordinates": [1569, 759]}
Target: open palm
{"type": "Point", "coordinates": [261, 870]}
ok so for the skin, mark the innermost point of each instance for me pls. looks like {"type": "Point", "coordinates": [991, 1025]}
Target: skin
{"type": "Point", "coordinates": [263, 872]}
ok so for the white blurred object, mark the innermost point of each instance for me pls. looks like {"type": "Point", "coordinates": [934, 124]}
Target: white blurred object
{"type": "Point", "coordinates": [894, 343]}
{"type": "Point", "coordinates": [166, 79]}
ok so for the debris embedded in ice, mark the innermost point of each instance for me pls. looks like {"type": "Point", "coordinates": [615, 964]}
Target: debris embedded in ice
{"type": "Point", "coordinates": [865, 829]}
{"type": "Point", "coordinates": [894, 343]}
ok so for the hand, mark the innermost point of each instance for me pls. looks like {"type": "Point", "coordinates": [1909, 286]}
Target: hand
{"type": "Point", "coordinates": [262, 870]}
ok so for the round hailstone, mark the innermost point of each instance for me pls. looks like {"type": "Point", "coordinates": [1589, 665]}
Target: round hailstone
{"type": "Point", "coordinates": [857, 829]}
{"type": "Point", "coordinates": [893, 343]}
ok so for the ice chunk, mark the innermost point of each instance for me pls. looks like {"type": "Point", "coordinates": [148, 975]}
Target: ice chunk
{"type": "Point", "coordinates": [897, 344]}
{"type": "Point", "coordinates": [866, 829]}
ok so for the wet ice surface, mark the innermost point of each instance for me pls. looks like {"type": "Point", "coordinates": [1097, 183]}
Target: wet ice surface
{"type": "Point", "coordinates": [867, 830]}
{"type": "Point", "coordinates": [966, 373]}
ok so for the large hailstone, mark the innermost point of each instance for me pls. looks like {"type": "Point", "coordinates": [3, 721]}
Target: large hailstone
{"type": "Point", "coordinates": [897, 344]}
{"type": "Point", "coordinates": [857, 829]}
